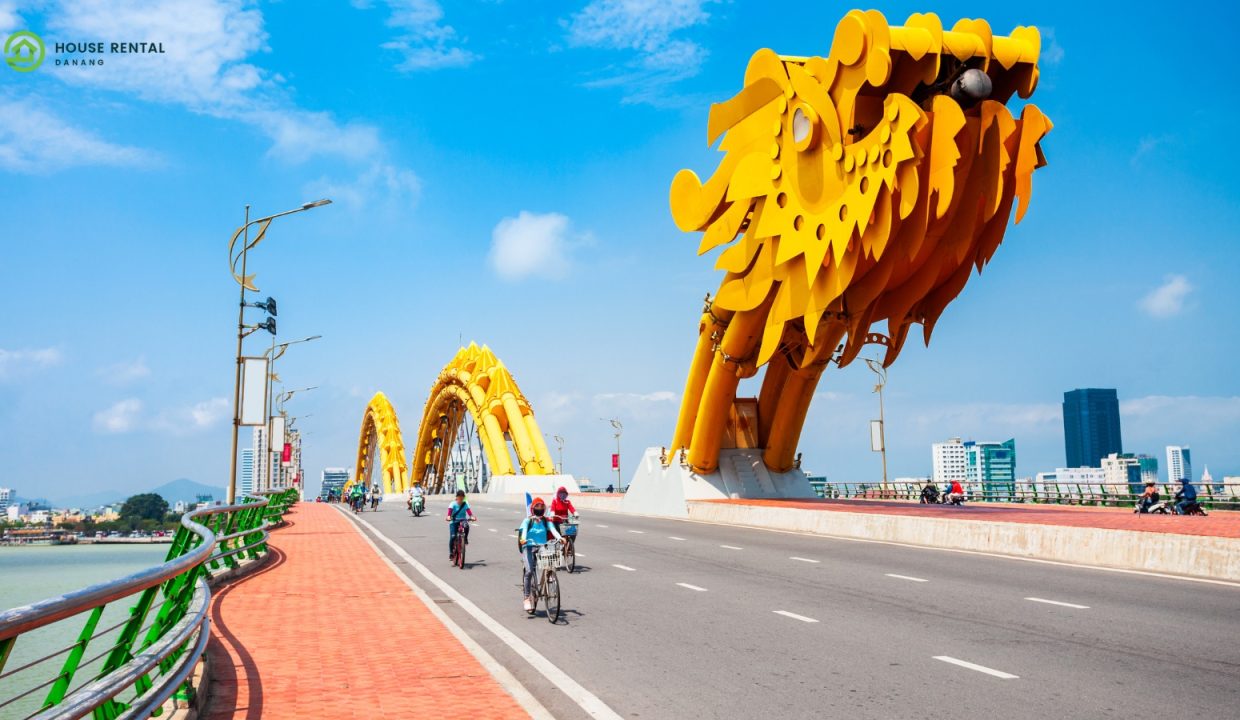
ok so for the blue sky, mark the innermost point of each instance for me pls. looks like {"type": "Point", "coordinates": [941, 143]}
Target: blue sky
{"type": "Point", "coordinates": [448, 133]}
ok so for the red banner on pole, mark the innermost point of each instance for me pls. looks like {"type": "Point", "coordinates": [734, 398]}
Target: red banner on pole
{"type": "Point", "coordinates": [615, 461]}
{"type": "Point", "coordinates": [287, 455]}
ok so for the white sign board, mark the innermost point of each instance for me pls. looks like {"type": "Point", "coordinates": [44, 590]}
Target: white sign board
{"type": "Point", "coordinates": [277, 435]}
{"type": "Point", "coordinates": [876, 435]}
{"type": "Point", "coordinates": [253, 408]}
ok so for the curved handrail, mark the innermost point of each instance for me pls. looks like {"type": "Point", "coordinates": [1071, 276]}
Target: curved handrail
{"type": "Point", "coordinates": [207, 537]}
{"type": "Point", "coordinates": [25, 618]}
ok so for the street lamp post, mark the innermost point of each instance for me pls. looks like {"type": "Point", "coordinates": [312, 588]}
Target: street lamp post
{"type": "Point", "coordinates": [615, 423]}
{"type": "Point", "coordinates": [275, 353]}
{"type": "Point", "coordinates": [245, 281]}
{"type": "Point", "coordinates": [881, 372]}
{"type": "Point", "coordinates": [559, 443]}
{"type": "Point", "coordinates": [271, 443]}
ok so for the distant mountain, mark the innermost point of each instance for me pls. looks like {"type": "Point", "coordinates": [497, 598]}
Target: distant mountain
{"type": "Point", "coordinates": [187, 490]}
{"type": "Point", "coordinates": [89, 500]}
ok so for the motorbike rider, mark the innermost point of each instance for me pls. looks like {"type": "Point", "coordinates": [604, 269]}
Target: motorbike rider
{"type": "Point", "coordinates": [356, 495]}
{"type": "Point", "coordinates": [561, 507]}
{"type": "Point", "coordinates": [1186, 497]}
{"type": "Point", "coordinates": [530, 536]}
{"type": "Point", "coordinates": [458, 511]}
{"type": "Point", "coordinates": [955, 495]}
{"type": "Point", "coordinates": [415, 492]}
{"type": "Point", "coordinates": [1149, 498]}
{"type": "Point", "coordinates": [930, 493]}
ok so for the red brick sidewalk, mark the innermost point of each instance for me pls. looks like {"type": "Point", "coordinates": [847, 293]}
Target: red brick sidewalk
{"type": "Point", "coordinates": [1217, 524]}
{"type": "Point", "coordinates": [327, 630]}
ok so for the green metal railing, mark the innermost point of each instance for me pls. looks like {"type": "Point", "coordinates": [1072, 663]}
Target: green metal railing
{"type": "Point", "coordinates": [139, 662]}
{"type": "Point", "coordinates": [1215, 496]}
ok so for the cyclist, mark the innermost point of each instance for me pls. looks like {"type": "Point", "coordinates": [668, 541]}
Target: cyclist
{"type": "Point", "coordinates": [561, 507]}
{"type": "Point", "coordinates": [457, 512]}
{"type": "Point", "coordinates": [531, 535]}
{"type": "Point", "coordinates": [375, 496]}
{"type": "Point", "coordinates": [356, 497]}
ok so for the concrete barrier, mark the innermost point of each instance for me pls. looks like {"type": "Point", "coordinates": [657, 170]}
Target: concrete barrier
{"type": "Point", "coordinates": [1216, 558]}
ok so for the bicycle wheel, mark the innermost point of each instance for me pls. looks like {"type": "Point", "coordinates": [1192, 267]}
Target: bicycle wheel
{"type": "Point", "coordinates": [570, 554]}
{"type": "Point", "coordinates": [460, 550]}
{"type": "Point", "coordinates": [551, 593]}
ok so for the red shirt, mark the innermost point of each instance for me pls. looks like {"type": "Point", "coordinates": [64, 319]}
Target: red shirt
{"type": "Point", "coordinates": [561, 509]}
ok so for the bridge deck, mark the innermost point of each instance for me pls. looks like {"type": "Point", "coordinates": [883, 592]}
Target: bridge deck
{"type": "Point", "coordinates": [327, 629]}
{"type": "Point", "coordinates": [1217, 524]}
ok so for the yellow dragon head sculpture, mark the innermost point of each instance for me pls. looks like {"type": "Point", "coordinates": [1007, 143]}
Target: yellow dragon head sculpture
{"type": "Point", "coordinates": [865, 185]}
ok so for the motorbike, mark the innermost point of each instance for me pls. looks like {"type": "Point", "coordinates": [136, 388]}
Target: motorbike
{"type": "Point", "coordinates": [417, 505]}
{"type": "Point", "coordinates": [1159, 508]}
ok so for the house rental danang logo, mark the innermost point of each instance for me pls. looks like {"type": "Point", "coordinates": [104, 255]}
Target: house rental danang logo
{"type": "Point", "coordinates": [25, 51]}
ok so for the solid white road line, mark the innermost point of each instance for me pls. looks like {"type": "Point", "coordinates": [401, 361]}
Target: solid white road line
{"type": "Point", "coordinates": [692, 587]}
{"type": "Point", "coordinates": [906, 577]}
{"type": "Point", "coordinates": [1056, 602]}
{"type": "Point", "coordinates": [801, 559]}
{"type": "Point", "coordinates": [637, 532]}
{"type": "Point", "coordinates": [979, 668]}
{"type": "Point", "coordinates": [673, 537]}
{"type": "Point", "coordinates": [731, 547]}
{"type": "Point", "coordinates": [794, 616]}
{"type": "Point", "coordinates": [624, 567]}
{"type": "Point", "coordinates": [584, 698]}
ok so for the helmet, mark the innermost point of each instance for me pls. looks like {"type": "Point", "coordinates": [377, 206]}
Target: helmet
{"type": "Point", "coordinates": [538, 502]}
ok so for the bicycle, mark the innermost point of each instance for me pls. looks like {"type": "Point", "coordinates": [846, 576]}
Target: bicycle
{"type": "Point", "coordinates": [569, 530]}
{"type": "Point", "coordinates": [458, 548]}
{"type": "Point", "coordinates": [546, 586]}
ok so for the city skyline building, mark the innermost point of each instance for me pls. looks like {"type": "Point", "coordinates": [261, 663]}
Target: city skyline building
{"type": "Point", "coordinates": [990, 468]}
{"type": "Point", "coordinates": [949, 460]}
{"type": "Point", "coordinates": [333, 479]}
{"type": "Point", "coordinates": [1091, 426]}
{"type": "Point", "coordinates": [1179, 463]}
{"type": "Point", "coordinates": [262, 459]}
{"type": "Point", "coordinates": [6, 496]}
{"type": "Point", "coordinates": [1149, 468]}
{"type": "Point", "coordinates": [1122, 474]}
{"type": "Point", "coordinates": [245, 480]}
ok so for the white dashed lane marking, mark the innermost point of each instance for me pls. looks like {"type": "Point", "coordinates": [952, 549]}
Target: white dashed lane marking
{"type": "Point", "coordinates": [692, 587]}
{"type": "Point", "coordinates": [673, 537]}
{"type": "Point", "coordinates": [801, 559]}
{"type": "Point", "coordinates": [978, 668]}
{"type": "Point", "coordinates": [794, 616]}
{"type": "Point", "coordinates": [731, 547]}
{"type": "Point", "coordinates": [624, 567]}
{"type": "Point", "coordinates": [906, 577]}
{"type": "Point", "coordinates": [1056, 602]}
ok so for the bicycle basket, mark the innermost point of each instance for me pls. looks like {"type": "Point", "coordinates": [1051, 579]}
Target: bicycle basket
{"type": "Point", "coordinates": [569, 529]}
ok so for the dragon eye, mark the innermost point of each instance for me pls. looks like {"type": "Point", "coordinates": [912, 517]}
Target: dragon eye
{"type": "Point", "coordinates": [804, 126]}
{"type": "Point", "coordinates": [800, 126]}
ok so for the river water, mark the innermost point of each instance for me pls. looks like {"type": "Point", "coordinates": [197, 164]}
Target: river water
{"type": "Point", "coordinates": [29, 574]}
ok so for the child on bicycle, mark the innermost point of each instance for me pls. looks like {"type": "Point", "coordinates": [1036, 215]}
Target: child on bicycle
{"type": "Point", "coordinates": [457, 512]}
{"type": "Point", "coordinates": [532, 535]}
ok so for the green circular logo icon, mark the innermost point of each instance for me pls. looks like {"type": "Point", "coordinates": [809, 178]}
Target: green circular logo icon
{"type": "Point", "coordinates": [24, 51]}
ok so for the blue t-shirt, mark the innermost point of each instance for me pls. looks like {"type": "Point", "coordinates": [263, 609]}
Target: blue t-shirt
{"type": "Point", "coordinates": [458, 511]}
{"type": "Point", "coordinates": [534, 531]}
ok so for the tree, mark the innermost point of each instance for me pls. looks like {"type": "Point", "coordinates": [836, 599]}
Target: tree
{"type": "Point", "coordinates": [146, 506]}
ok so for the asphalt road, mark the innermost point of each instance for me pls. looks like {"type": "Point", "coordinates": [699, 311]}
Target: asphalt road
{"type": "Point", "coordinates": [674, 619]}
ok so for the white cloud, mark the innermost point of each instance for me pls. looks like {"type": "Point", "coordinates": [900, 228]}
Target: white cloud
{"type": "Point", "coordinates": [648, 28]}
{"type": "Point", "coordinates": [401, 187]}
{"type": "Point", "coordinates": [531, 245]}
{"type": "Point", "coordinates": [34, 140]}
{"type": "Point", "coordinates": [119, 418]}
{"type": "Point", "coordinates": [557, 407]}
{"type": "Point", "coordinates": [1052, 51]}
{"type": "Point", "coordinates": [424, 42]}
{"type": "Point", "coordinates": [189, 419]}
{"type": "Point", "coordinates": [1214, 411]}
{"type": "Point", "coordinates": [1167, 299]}
{"type": "Point", "coordinates": [9, 19]}
{"type": "Point", "coordinates": [992, 419]}
{"type": "Point", "coordinates": [13, 362]}
{"type": "Point", "coordinates": [125, 372]}
{"type": "Point", "coordinates": [639, 406]}
{"type": "Point", "coordinates": [208, 67]}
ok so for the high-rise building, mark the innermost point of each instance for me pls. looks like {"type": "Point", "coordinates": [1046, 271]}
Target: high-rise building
{"type": "Point", "coordinates": [990, 469]}
{"type": "Point", "coordinates": [6, 497]}
{"type": "Point", "coordinates": [1068, 483]}
{"type": "Point", "coordinates": [948, 461]}
{"type": "Point", "coordinates": [262, 459]}
{"type": "Point", "coordinates": [1179, 463]}
{"type": "Point", "coordinates": [1149, 469]}
{"type": "Point", "coordinates": [245, 481]}
{"type": "Point", "coordinates": [333, 479]}
{"type": "Point", "coordinates": [1090, 426]}
{"type": "Point", "coordinates": [1122, 474]}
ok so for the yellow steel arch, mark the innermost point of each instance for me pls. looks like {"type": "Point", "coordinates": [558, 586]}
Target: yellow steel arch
{"type": "Point", "coordinates": [854, 188]}
{"type": "Point", "coordinates": [380, 440]}
{"type": "Point", "coordinates": [477, 383]}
